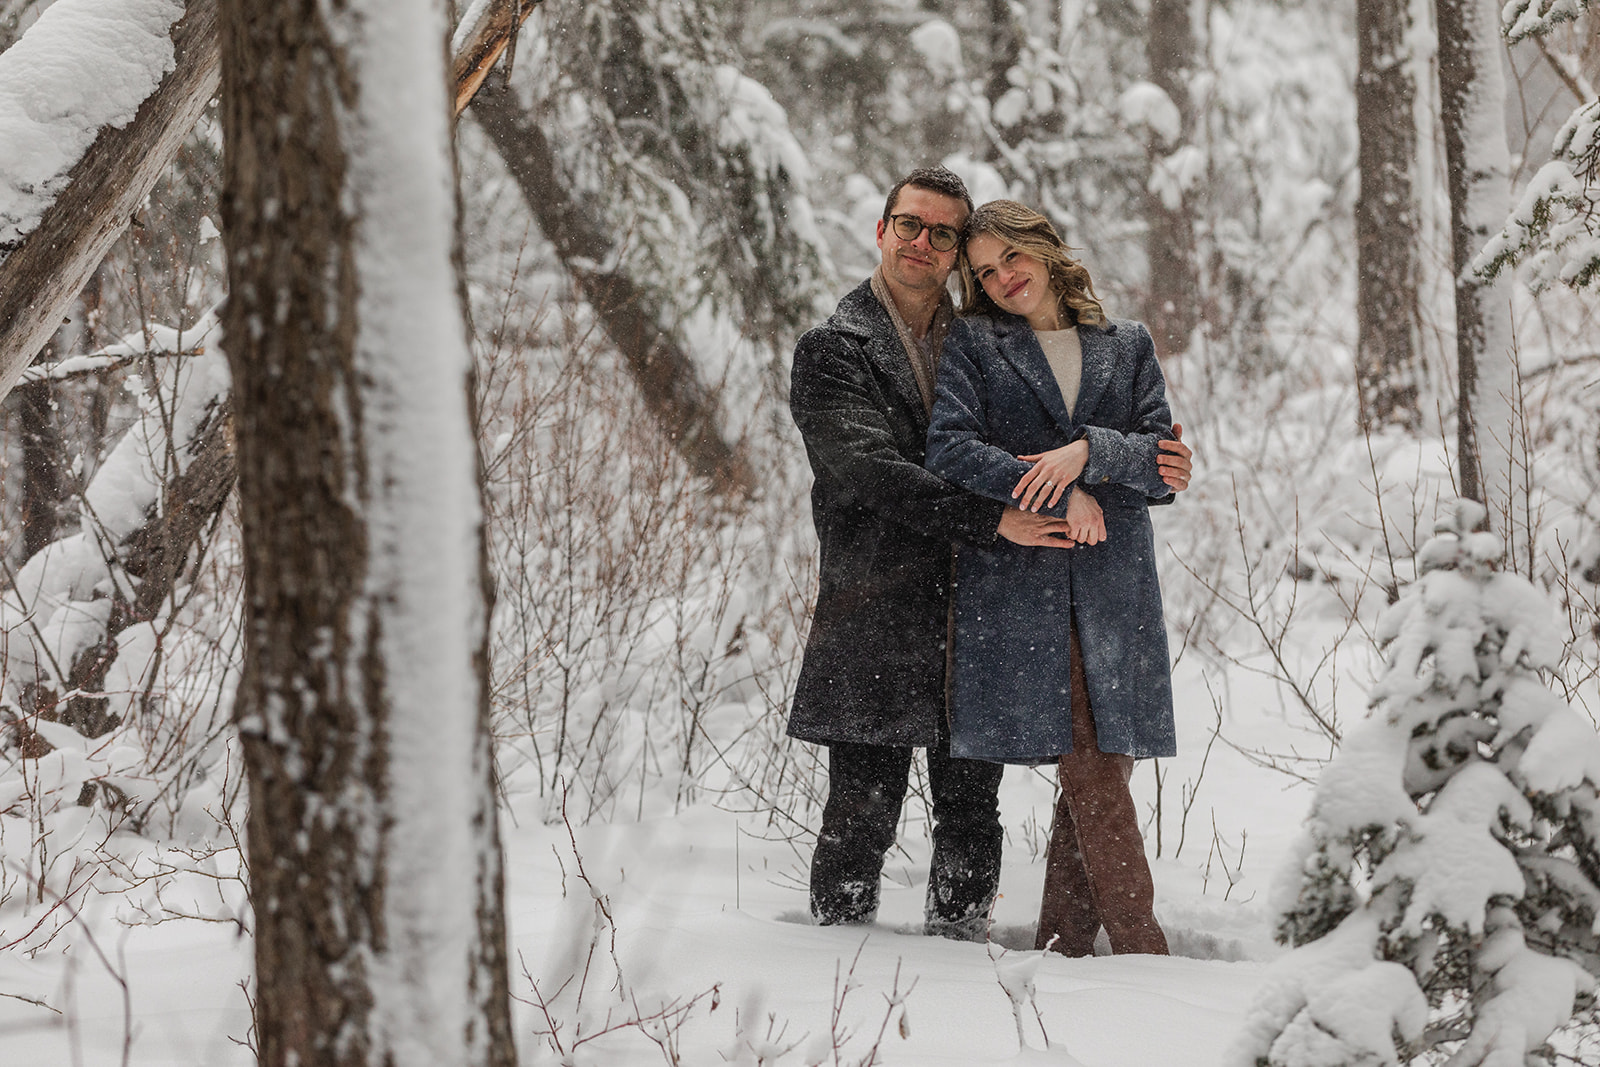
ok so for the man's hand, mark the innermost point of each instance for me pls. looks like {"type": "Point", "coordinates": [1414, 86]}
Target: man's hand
{"type": "Point", "coordinates": [1174, 460]}
{"type": "Point", "coordinates": [1029, 528]}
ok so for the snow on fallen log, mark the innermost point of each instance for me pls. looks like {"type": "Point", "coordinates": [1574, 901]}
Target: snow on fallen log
{"type": "Point", "coordinates": [144, 511]}
{"type": "Point", "coordinates": [94, 101]}
{"type": "Point", "coordinates": [84, 65]}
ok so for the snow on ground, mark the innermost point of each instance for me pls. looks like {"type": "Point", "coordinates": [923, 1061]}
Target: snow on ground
{"type": "Point", "coordinates": [708, 898]}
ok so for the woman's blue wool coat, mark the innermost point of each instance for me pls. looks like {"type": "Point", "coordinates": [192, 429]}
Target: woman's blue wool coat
{"type": "Point", "coordinates": [997, 399]}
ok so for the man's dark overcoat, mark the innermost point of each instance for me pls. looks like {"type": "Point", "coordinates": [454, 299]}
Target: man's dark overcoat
{"type": "Point", "coordinates": [998, 399]}
{"type": "Point", "coordinates": [874, 663]}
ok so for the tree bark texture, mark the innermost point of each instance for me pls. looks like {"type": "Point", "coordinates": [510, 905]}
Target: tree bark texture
{"type": "Point", "coordinates": [1389, 369]}
{"type": "Point", "coordinates": [669, 384]}
{"type": "Point", "coordinates": [46, 441]}
{"type": "Point", "coordinates": [1477, 164]}
{"type": "Point", "coordinates": [43, 451]}
{"type": "Point", "coordinates": [1172, 306]}
{"type": "Point", "coordinates": [44, 274]}
{"type": "Point", "coordinates": [365, 607]}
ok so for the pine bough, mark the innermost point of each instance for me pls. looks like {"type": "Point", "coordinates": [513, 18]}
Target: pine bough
{"type": "Point", "coordinates": [1555, 228]}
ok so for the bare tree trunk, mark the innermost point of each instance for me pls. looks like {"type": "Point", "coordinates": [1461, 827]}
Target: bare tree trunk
{"type": "Point", "coordinates": [1005, 48]}
{"type": "Point", "coordinates": [46, 439]}
{"type": "Point", "coordinates": [42, 276]}
{"type": "Point", "coordinates": [669, 383]}
{"type": "Point", "coordinates": [1389, 367]}
{"type": "Point", "coordinates": [363, 704]}
{"type": "Point", "coordinates": [1477, 162]}
{"type": "Point", "coordinates": [42, 455]}
{"type": "Point", "coordinates": [1172, 306]}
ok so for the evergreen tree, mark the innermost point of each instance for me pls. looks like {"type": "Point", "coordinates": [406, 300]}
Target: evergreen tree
{"type": "Point", "coordinates": [685, 159]}
{"type": "Point", "coordinates": [1445, 896]}
{"type": "Point", "coordinates": [1555, 228]}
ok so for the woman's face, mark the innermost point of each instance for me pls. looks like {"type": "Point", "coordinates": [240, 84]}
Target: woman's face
{"type": "Point", "coordinates": [1016, 281]}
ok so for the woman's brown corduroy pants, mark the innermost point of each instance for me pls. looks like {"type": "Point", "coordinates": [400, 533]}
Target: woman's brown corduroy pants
{"type": "Point", "coordinates": [1095, 870]}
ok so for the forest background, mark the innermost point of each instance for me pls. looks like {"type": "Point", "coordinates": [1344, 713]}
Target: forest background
{"type": "Point", "coordinates": [656, 199]}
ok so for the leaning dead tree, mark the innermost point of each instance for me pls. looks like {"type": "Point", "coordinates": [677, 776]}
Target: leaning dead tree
{"type": "Point", "coordinates": [668, 380]}
{"type": "Point", "coordinates": [42, 275]}
{"type": "Point", "coordinates": [145, 519]}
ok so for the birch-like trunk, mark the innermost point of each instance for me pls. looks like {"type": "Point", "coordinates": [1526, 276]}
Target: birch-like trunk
{"type": "Point", "coordinates": [1389, 368]}
{"type": "Point", "coordinates": [1490, 437]}
{"type": "Point", "coordinates": [374, 852]}
{"type": "Point", "coordinates": [1172, 306]}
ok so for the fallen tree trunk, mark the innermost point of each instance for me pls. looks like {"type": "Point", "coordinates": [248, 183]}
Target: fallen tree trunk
{"type": "Point", "coordinates": [39, 280]}
{"type": "Point", "coordinates": [44, 274]}
{"type": "Point", "coordinates": [669, 383]}
{"type": "Point", "coordinates": [146, 516]}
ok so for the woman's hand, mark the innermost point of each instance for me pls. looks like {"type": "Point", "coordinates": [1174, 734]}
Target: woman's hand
{"type": "Point", "coordinates": [1052, 474]}
{"type": "Point", "coordinates": [1086, 523]}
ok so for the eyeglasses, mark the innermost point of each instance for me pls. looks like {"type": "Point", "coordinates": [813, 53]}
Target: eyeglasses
{"type": "Point", "coordinates": [909, 227]}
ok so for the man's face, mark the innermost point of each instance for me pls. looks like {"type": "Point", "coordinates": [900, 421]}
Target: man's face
{"type": "Point", "coordinates": [917, 265]}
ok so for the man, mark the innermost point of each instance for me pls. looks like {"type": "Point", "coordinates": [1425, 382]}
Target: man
{"type": "Point", "coordinates": [872, 683]}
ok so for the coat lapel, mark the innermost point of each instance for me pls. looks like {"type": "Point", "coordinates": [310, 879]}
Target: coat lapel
{"type": "Point", "coordinates": [1020, 346]}
{"type": "Point", "coordinates": [860, 313]}
{"type": "Point", "coordinates": [890, 354]}
{"type": "Point", "coordinates": [1099, 361]}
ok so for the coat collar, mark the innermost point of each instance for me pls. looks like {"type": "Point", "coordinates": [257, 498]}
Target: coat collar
{"type": "Point", "coordinates": [861, 315]}
{"type": "Point", "coordinates": [1020, 345]}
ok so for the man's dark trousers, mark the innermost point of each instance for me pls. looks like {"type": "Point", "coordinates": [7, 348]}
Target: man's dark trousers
{"type": "Point", "coordinates": [866, 788]}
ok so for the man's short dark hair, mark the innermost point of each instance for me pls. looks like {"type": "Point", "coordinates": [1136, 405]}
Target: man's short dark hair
{"type": "Point", "coordinates": [940, 180]}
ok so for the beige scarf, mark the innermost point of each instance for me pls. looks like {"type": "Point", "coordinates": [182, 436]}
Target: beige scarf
{"type": "Point", "coordinates": [924, 357]}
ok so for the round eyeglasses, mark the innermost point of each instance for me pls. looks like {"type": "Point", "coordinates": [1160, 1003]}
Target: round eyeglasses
{"type": "Point", "coordinates": [909, 227]}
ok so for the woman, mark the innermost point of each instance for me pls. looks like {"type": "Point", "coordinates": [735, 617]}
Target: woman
{"type": "Point", "coordinates": [1046, 403]}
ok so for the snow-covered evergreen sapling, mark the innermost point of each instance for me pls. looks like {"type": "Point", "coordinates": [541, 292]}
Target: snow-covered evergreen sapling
{"type": "Point", "coordinates": [1445, 895]}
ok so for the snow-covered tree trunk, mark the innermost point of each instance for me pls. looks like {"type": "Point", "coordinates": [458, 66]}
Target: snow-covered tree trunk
{"type": "Point", "coordinates": [1389, 367]}
{"type": "Point", "coordinates": [363, 709]}
{"type": "Point", "coordinates": [1472, 91]}
{"type": "Point", "coordinates": [1172, 306]}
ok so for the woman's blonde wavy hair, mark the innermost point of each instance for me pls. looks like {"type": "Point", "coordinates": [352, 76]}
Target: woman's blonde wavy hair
{"type": "Point", "coordinates": [1028, 231]}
